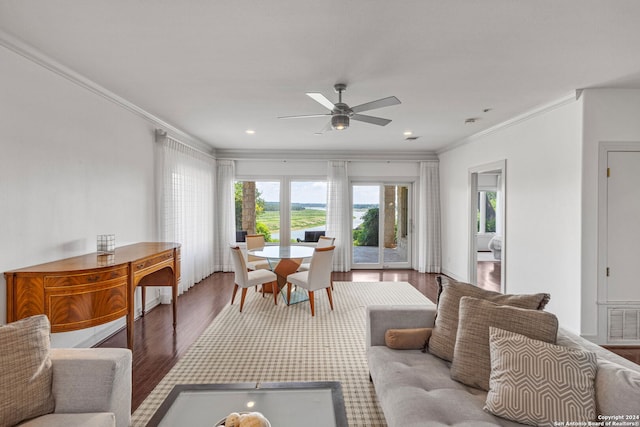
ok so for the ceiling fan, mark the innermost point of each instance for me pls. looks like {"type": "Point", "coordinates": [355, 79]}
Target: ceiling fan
{"type": "Point", "coordinates": [341, 113]}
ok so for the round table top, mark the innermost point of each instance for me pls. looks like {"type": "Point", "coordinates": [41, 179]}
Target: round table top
{"type": "Point", "coordinates": [283, 252]}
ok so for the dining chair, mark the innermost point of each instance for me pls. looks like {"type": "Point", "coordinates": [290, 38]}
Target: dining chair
{"type": "Point", "coordinates": [256, 241]}
{"type": "Point", "coordinates": [323, 242]}
{"type": "Point", "coordinates": [317, 277]}
{"type": "Point", "coordinates": [245, 279]}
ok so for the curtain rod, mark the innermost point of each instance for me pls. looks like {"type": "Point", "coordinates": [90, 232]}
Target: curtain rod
{"type": "Point", "coordinates": [161, 133]}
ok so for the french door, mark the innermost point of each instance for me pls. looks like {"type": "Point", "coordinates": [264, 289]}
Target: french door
{"type": "Point", "coordinates": [381, 225]}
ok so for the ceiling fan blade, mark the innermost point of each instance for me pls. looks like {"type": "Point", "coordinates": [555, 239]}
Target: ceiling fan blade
{"type": "Point", "coordinates": [304, 116]}
{"type": "Point", "coordinates": [320, 98]}
{"type": "Point", "coordinates": [384, 102]}
{"type": "Point", "coordinates": [326, 128]}
{"type": "Point", "coordinates": [370, 119]}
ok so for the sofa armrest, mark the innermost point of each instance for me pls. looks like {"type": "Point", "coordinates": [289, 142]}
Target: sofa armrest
{"type": "Point", "coordinates": [383, 317]}
{"type": "Point", "coordinates": [93, 380]}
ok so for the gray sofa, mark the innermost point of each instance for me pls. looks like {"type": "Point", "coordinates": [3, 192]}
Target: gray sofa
{"type": "Point", "coordinates": [91, 387]}
{"type": "Point", "coordinates": [415, 389]}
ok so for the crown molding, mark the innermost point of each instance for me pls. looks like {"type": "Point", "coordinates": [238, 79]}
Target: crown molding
{"type": "Point", "coordinates": [535, 112]}
{"type": "Point", "coordinates": [30, 53]}
{"type": "Point", "coordinates": [311, 155]}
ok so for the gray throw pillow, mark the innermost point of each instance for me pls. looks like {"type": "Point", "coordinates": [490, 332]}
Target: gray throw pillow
{"type": "Point", "coordinates": [471, 363]}
{"type": "Point", "coordinates": [25, 371]}
{"type": "Point", "coordinates": [537, 383]}
{"type": "Point", "coordinates": [617, 389]}
{"type": "Point", "coordinates": [443, 337]}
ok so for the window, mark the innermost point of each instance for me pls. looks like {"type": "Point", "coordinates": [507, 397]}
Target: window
{"type": "Point", "coordinates": [487, 201]}
{"type": "Point", "coordinates": [257, 209]}
{"type": "Point", "coordinates": [308, 214]}
{"type": "Point", "coordinates": [303, 212]}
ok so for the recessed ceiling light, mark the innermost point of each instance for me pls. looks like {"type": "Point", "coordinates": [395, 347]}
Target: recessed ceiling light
{"type": "Point", "coordinates": [407, 133]}
{"type": "Point", "coordinates": [250, 131]}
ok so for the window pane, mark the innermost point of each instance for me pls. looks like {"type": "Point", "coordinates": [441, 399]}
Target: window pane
{"type": "Point", "coordinates": [257, 209]}
{"type": "Point", "coordinates": [308, 210]}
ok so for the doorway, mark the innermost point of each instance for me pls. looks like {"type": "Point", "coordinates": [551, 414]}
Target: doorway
{"type": "Point", "coordinates": [381, 235]}
{"type": "Point", "coordinates": [487, 231]}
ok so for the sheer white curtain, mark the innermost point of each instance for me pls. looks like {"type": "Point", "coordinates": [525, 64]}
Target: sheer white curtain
{"type": "Point", "coordinates": [429, 251]}
{"type": "Point", "coordinates": [185, 195]}
{"type": "Point", "coordinates": [225, 214]}
{"type": "Point", "coordinates": [339, 216]}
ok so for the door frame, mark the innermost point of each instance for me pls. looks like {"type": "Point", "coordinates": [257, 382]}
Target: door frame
{"type": "Point", "coordinates": [410, 214]}
{"type": "Point", "coordinates": [497, 166]}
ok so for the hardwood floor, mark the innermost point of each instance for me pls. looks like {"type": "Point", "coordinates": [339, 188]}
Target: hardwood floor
{"type": "Point", "coordinates": [157, 348]}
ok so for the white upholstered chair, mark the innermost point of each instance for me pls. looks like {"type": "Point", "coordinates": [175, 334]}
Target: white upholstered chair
{"type": "Point", "coordinates": [256, 241]}
{"type": "Point", "coordinates": [323, 242]}
{"type": "Point", "coordinates": [317, 277]}
{"type": "Point", "coordinates": [245, 279]}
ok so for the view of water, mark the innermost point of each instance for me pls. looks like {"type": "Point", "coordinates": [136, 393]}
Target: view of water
{"type": "Point", "coordinates": [299, 234]}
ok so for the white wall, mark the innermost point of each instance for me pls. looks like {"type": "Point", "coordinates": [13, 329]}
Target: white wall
{"type": "Point", "coordinates": [74, 165]}
{"type": "Point", "coordinates": [543, 209]}
{"type": "Point", "coordinates": [610, 115]}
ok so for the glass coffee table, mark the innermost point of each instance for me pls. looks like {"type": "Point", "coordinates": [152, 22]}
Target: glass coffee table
{"type": "Point", "coordinates": [308, 404]}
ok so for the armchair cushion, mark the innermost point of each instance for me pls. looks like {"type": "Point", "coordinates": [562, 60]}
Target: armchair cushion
{"type": "Point", "coordinates": [25, 371]}
{"type": "Point", "coordinates": [100, 419]}
{"type": "Point", "coordinates": [92, 380]}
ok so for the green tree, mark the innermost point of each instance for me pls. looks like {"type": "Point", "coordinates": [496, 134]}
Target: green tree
{"type": "Point", "coordinates": [366, 234]}
{"type": "Point", "coordinates": [260, 203]}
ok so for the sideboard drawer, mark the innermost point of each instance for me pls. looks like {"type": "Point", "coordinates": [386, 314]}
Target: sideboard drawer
{"type": "Point", "coordinates": [82, 279]}
{"type": "Point", "coordinates": [153, 261]}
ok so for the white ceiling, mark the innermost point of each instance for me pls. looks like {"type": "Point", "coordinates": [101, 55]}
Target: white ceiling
{"type": "Point", "coordinates": [215, 68]}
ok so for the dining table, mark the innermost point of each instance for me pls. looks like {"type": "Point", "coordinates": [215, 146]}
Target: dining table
{"type": "Point", "coordinates": [284, 260]}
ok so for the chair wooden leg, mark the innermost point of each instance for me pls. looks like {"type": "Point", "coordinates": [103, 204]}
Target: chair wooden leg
{"type": "Point", "coordinates": [288, 293]}
{"type": "Point", "coordinates": [235, 289]}
{"type": "Point", "coordinates": [244, 294]}
{"type": "Point", "coordinates": [312, 303]}
{"type": "Point", "coordinates": [274, 286]}
{"type": "Point", "coordinates": [330, 297]}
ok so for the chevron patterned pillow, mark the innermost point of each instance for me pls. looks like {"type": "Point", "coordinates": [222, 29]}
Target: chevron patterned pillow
{"type": "Point", "coordinates": [537, 383]}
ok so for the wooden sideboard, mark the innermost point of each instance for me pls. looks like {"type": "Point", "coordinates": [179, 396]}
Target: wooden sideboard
{"type": "Point", "coordinates": [89, 290]}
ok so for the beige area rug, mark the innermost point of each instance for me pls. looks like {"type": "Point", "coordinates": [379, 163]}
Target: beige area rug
{"type": "Point", "coordinates": [267, 343]}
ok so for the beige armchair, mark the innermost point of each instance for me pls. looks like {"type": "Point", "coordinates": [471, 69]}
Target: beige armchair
{"type": "Point", "coordinates": [43, 386]}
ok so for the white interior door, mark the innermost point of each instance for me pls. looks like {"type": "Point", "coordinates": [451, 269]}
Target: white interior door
{"type": "Point", "coordinates": [623, 226]}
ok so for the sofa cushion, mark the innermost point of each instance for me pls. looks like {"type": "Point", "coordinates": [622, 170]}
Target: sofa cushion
{"type": "Point", "coordinates": [538, 383]}
{"type": "Point", "coordinates": [617, 389]}
{"type": "Point", "coordinates": [443, 337]}
{"type": "Point", "coordinates": [25, 371]}
{"type": "Point", "coordinates": [415, 390]}
{"type": "Point", "coordinates": [407, 339]}
{"type": "Point", "coordinates": [472, 360]}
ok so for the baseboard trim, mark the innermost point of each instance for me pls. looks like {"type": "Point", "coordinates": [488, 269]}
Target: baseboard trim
{"type": "Point", "coordinates": [453, 275]}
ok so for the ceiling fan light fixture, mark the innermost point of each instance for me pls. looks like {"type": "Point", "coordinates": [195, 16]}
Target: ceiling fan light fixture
{"type": "Point", "coordinates": [340, 121]}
